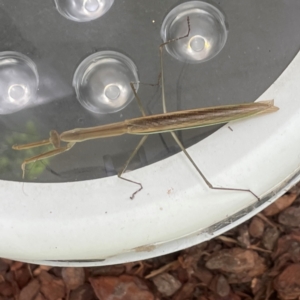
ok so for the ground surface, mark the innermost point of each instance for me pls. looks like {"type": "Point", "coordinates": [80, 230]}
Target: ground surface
{"type": "Point", "coordinates": [260, 259]}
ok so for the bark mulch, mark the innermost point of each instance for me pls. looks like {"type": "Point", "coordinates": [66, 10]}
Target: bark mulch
{"type": "Point", "coordinates": [259, 259]}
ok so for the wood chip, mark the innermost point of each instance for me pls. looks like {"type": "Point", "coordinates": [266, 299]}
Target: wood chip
{"type": "Point", "coordinates": [170, 266]}
{"type": "Point", "coordinates": [166, 284]}
{"type": "Point", "coordinates": [256, 227]}
{"type": "Point", "coordinates": [245, 264]}
{"type": "Point", "coordinates": [219, 285]}
{"type": "Point", "coordinates": [186, 291]}
{"type": "Point", "coordinates": [279, 205]}
{"type": "Point", "coordinates": [6, 289]}
{"type": "Point", "coordinates": [40, 296]}
{"type": "Point", "coordinates": [41, 268]}
{"type": "Point", "coordinates": [73, 277]}
{"type": "Point", "coordinates": [288, 244]}
{"type": "Point", "coordinates": [52, 288]}
{"type": "Point", "coordinates": [84, 292]}
{"type": "Point", "coordinates": [124, 287]}
{"type": "Point", "coordinates": [3, 267]}
{"type": "Point", "coordinates": [287, 284]}
{"type": "Point", "coordinates": [243, 237]}
{"type": "Point", "coordinates": [22, 276]}
{"type": "Point", "coordinates": [290, 217]}
{"type": "Point", "coordinates": [16, 265]}
{"type": "Point", "coordinates": [30, 291]}
{"type": "Point", "coordinates": [270, 238]}
{"type": "Point", "coordinates": [204, 275]}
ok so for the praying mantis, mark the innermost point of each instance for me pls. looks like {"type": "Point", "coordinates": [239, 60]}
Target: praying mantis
{"type": "Point", "coordinates": [153, 124]}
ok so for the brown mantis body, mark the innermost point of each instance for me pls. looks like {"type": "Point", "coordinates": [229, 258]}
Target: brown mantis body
{"type": "Point", "coordinates": [154, 124]}
{"type": "Point", "coordinates": [147, 125]}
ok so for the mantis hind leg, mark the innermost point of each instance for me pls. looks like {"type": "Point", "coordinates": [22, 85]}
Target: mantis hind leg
{"type": "Point", "coordinates": [203, 176]}
{"type": "Point", "coordinates": [44, 155]}
{"type": "Point", "coordinates": [127, 163]}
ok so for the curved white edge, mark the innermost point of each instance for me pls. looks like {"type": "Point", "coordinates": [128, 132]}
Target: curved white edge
{"type": "Point", "coordinates": [94, 222]}
{"type": "Point", "coordinates": [195, 238]}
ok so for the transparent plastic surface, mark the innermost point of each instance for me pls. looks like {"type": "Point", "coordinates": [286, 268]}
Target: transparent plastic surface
{"type": "Point", "coordinates": [83, 10]}
{"type": "Point", "coordinates": [253, 57]}
{"type": "Point", "coordinates": [102, 82]}
{"type": "Point", "coordinates": [208, 32]}
{"type": "Point", "coordinates": [18, 82]}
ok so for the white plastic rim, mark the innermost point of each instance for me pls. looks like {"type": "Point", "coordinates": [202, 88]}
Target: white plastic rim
{"type": "Point", "coordinates": [94, 222]}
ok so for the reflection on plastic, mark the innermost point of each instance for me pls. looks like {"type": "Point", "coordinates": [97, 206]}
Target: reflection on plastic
{"type": "Point", "coordinates": [208, 33]}
{"type": "Point", "coordinates": [18, 82]}
{"type": "Point", "coordinates": [83, 10]}
{"type": "Point", "coordinates": [102, 82]}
